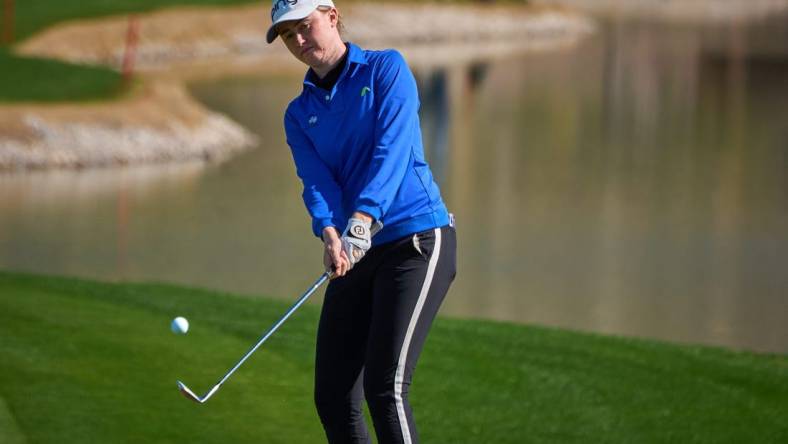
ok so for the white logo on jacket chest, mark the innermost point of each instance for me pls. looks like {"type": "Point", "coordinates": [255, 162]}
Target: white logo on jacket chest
{"type": "Point", "coordinates": [312, 120]}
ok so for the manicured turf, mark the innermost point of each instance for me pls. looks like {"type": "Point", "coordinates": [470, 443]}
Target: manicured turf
{"type": "Point", "coordinates": [35, 80]}
{"type": "Point", "coordinates": [40, 80]}
{"type": "Point", "coordinates": [93, 362]}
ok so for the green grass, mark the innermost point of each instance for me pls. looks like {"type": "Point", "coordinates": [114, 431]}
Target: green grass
{"type": "Point", "coordinates": [36, 80]}
{"type": "Point", "coordinates": [41, 80]}
{"type": "Point", "coordinates": [92, 362]}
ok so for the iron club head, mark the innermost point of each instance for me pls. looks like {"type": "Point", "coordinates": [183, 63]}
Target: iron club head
{"type": "Point", "coordinates": [188, 393]}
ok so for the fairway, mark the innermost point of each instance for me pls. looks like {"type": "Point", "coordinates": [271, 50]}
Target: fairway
{"type": "Point", "coordinates": [26, 79]}
{"type": "Point", "coordinates": [91, 362]}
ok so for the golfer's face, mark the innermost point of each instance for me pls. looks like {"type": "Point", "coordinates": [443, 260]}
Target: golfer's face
{"type": "Point", "coordinates": [308, 39]}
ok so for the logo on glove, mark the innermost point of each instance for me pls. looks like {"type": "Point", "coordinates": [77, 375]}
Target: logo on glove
{"type": "Point", "coordinates": [359, 231]}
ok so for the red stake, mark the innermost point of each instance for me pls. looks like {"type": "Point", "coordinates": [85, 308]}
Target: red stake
{"type": "Point", "coordinates": [8, 22]}
{"type": "Point", "coordinates": [130, 53]}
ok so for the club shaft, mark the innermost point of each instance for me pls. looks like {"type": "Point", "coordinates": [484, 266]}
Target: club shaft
{"type": "Point", "coordinates": [323, 278]}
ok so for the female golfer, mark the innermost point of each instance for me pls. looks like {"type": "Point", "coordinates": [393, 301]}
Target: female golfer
{"type": "Point", "coordinates": [355, 138]}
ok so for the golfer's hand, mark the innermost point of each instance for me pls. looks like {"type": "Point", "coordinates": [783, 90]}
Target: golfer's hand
{"type": "Point", "coordinates": [357, 239]}
{"type": "Point", "coordinates": [334, 259]}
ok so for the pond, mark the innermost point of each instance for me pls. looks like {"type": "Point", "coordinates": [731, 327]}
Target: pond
{"type": "Point", "coordinates": [636, 184]}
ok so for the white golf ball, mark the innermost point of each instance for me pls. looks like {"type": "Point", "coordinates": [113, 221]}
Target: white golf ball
{"type": "Point", "coordinates": [179, 325]}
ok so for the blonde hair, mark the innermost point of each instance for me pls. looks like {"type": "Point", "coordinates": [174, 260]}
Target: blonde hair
{"type": "Point", "coordinates": [340, 23]}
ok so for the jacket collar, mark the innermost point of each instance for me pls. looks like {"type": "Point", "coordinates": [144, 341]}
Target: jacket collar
{"type": "Point", "coordinates": [355, 55]}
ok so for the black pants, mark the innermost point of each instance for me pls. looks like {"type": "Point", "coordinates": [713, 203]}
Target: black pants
{"type": "Point", "coordinates": [373, 325]}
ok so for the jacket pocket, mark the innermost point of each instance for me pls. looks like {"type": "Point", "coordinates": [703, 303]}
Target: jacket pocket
{"type": "Point", "coordinates": [424, 242]}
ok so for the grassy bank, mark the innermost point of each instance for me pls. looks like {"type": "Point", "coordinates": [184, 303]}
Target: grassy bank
{"type": "Point", "coordinates": [25, 79]}
{"type": "Point", "coordinates": [34, 80]}
{"type": "Point", "coordinates": [86, 362]}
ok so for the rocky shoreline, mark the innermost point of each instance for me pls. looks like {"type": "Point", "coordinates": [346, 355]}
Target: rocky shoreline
{"type": "Point", "coordinates": [162, 123]}
{"type": "Point", "coordinates": [105, 134]}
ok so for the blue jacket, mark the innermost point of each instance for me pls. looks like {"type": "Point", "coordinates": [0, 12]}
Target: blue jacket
{"type": "Point", "coordinates": [358, 148]}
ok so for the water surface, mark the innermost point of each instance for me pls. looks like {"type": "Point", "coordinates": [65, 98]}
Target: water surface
{"type": "Point", "coordinates": [636, 184]}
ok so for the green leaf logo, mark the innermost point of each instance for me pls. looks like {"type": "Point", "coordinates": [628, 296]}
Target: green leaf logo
{"type": "Point", "coordinates": [364, 91]}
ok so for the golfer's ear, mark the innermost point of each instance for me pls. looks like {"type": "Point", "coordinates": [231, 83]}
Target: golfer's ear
{"type": "Point", "coordinates": [333, 15]}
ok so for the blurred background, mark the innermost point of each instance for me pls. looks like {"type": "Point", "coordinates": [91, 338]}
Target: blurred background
{"type": "Point", "coordinates": [634, 183]}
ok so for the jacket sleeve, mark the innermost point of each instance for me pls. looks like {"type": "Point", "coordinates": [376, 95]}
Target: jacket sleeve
{"type": "Point", "coordinates": [396, 124]}
{"type": "Point", "coordinates": [322, 196]}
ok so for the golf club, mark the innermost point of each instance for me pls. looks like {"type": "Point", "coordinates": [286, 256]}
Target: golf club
{"type": "Point", "coordinates": [201, 399]}
{"type": "Point", "coordinates": [376, 226]}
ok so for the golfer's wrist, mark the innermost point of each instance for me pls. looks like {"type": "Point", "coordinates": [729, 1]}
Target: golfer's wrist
{"type": "Point", "coordinates": [363, 216]}
{"type": "Point", "coordinates": [330, 234]}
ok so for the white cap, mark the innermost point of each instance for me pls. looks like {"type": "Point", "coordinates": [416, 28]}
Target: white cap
{"type": "Point", "coordinates": [284, 10]}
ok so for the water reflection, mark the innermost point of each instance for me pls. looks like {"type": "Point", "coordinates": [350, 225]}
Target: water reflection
{"type": "Point", "coordinates": [637, 184]}
{"type": "Point", "coordinates": [86, 222]}
{"type": "Point", "coordinates": [626, 187]}
{"type": "Point", "coordinates": [435, 111]}
{"type": "Point", "coordinates": [435, 117]}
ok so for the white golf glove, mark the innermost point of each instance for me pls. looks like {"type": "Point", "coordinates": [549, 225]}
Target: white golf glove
{"type": "Point", "coordinates": [356, 240]}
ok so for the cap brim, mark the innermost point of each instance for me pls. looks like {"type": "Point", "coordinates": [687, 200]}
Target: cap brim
{"type": "Point", "coordinates": [271, 35]}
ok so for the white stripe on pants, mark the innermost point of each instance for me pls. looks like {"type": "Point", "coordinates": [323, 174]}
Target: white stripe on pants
{"type": "Point", "coordinates": [403, 355]}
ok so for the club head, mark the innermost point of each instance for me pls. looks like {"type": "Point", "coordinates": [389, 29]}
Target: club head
{"type": "Point", "coordinates": [190, 394]}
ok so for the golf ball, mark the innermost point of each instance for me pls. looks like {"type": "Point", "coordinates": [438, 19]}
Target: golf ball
{"type": "Point", "coordinates": [179, 325]}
